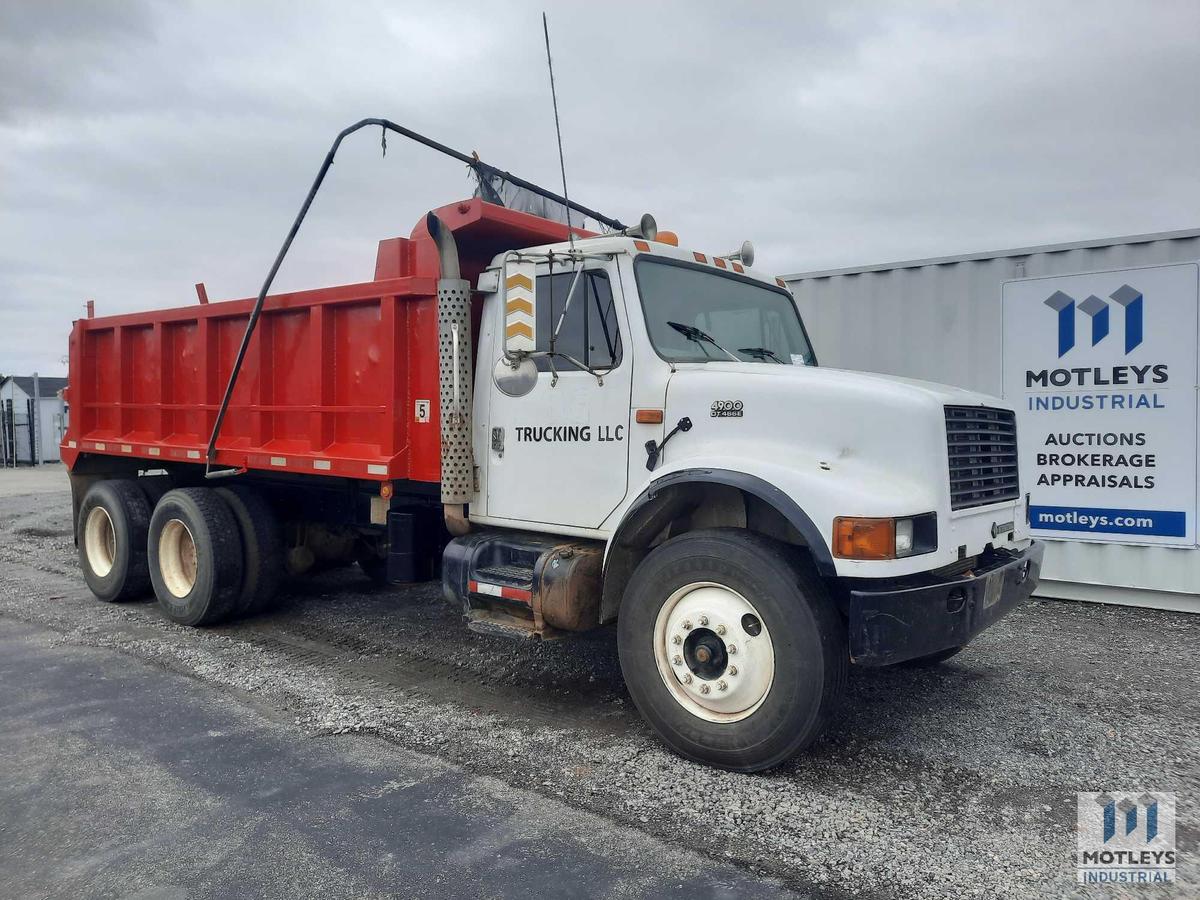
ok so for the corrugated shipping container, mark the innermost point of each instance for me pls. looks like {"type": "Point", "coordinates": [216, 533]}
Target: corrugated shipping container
{"type": "Point", "coordinates": [941, 320]}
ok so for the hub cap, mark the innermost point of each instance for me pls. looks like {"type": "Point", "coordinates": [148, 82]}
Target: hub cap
{"type": "Point", "coordinates": [714, 652]}
{"type": "Point", "coordinates": [100, 541]}
{"type": "Point", "coordinates": [177, 558]}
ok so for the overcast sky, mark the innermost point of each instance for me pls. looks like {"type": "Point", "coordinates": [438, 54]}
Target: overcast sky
{"type": "Point", "coordinates": [146, 146]}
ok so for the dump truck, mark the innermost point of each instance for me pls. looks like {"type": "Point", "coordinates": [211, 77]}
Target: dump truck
{"type": "Point", "coordinates": [570, 428]}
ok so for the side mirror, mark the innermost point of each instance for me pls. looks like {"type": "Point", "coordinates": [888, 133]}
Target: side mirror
{"type": "Point", "coordinates": [520, 316]}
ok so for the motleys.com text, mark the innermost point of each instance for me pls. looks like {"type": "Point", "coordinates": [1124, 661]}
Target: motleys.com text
{"type": "Point", "coordinates": [1074, 517]}
{"type": "Point", "coordinates": [1163, 522]}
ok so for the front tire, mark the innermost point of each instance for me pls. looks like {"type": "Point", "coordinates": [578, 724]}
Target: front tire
{"type": "Point", "coordinates": [732, 649]}
{"type": "Point", "coordinates": [195, 556]}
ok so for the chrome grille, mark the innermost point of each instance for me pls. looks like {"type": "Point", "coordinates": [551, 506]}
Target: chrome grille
{"type": "Point", "coordinates": [982, 445]}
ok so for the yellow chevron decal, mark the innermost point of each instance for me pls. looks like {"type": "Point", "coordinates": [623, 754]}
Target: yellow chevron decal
{"type": "Point", "coordinates": [519, 280]}
{"type": "Point", "coordinates": [519, 328]}
{"type": "Point", "coordinates": [517, 304]}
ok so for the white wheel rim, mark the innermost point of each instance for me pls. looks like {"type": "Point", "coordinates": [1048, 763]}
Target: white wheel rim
{"type": "Point", "coordinates": [177, 558]}
{"type": "Point", "coordinates": [696, 624]}
{"type": "Point", "coordinates": [100, 541]}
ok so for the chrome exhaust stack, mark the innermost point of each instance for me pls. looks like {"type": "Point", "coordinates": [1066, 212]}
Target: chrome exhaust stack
{"type": "Point", "coordinates": [454, 380]}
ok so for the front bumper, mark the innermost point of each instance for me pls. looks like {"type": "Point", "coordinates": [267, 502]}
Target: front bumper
{"type": "Point", "coordinates": [905, 620]}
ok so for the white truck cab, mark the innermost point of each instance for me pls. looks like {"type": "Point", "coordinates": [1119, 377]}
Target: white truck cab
{"type": "Point", "coordinates": [653, 442]}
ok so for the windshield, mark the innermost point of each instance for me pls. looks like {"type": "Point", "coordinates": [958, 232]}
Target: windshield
{"type": "Point", "coordinates": [697, 314]}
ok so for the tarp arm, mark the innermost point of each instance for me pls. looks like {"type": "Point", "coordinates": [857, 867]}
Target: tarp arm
{"type": "Point", "coordinates": [479, 166]}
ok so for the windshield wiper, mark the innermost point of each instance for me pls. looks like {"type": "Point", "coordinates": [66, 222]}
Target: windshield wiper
{"type": "Point", "coordinates": [695, 334]}
{"type": "Point", "coordinates": [761, 353]}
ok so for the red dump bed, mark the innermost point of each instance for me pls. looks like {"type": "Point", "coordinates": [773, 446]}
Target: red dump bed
{"type": "Point", "coordinates": [332, 382]}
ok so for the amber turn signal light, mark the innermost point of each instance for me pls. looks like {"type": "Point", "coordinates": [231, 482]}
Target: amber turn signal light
{"type": "Point", "coordinates": [855, 538]}
{"type": "Point", "coordinates": [648, 416]}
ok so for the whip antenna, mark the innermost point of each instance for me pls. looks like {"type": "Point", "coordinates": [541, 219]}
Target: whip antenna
{"type": "Point", "coordinates": [558, 130]}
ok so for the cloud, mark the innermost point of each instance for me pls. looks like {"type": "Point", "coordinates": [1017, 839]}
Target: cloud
{"type": "Point", "coordinates": [147, 146]}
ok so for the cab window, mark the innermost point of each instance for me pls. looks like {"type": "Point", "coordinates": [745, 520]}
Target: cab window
{"type": "Point", "coordinates": [589, 332]}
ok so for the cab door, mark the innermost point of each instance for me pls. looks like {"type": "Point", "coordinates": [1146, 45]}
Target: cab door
{"type": "Point", "coordinates": [558, 454]}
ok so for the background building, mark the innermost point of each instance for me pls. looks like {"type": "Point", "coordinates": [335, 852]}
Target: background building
{"type": "Point", "coordinates": [49, 412]}
{"type": "Point", "coordinates": [1059, 331]}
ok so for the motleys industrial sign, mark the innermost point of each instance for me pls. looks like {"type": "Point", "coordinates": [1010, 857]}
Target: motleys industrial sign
{"type": "Point", "coordinates": [1102, 368]}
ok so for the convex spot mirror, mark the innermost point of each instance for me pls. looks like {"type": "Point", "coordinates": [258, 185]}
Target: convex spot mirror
{"type": "Point", "coordinates": [515, 376]}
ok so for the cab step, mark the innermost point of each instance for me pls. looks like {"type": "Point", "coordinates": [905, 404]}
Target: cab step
{"type": "Point", "coordinates": [521, 584]}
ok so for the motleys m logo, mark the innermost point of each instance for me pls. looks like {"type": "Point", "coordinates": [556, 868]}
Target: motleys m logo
{"type": "Point", "coordinates": [1129, 298]}
{"type": "Point", "coordinates": [1127, 821]}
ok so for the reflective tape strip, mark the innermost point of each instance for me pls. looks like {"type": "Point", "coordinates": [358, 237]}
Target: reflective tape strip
{"type": "Point", "coordinates": [373, 469]}
{"type": "Point", "coordinates": [193, 454]}
{"type": "Point", "coordinates": [100, 446]}
{"type": "Point", "coordinates": [279, 460]}
{"type": "Point", "coordinates": [71, 444]}
{"type": "Point", "coordinates": [520, 323]}
{"type": "Point", "coordinates": [125, 448]}
{"type": "Point", "coordinates": [322, 464]}
{"type": "Point", "coordinates": [153, 451]}
{"type": "Point", "coordinates": [496, 590]}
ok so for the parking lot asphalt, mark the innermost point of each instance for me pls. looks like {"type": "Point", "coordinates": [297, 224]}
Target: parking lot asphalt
{"type": "Point", "coordinates": [959, 781]}
{"type": "Point", "coordinates": [120, 779]}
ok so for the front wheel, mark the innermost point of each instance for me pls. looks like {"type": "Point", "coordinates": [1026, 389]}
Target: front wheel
{"type": "Point", "coordinates": [731, 647]}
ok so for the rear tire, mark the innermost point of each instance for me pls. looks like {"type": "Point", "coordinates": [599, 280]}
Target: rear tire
{"type": "Point", "coordinates": [195, 554]}
{"type": "Point", "coordinates": [114, 519]}
{"type": "Point", "coordinates": [262, 548]}
{"type": "Point", "coordinates": [708, 601]}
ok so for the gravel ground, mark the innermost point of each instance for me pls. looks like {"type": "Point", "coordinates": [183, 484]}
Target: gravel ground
{"type": "Point", "coordinates": [953, 782]}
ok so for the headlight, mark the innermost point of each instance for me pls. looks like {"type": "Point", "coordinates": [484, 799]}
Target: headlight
{"type": "Point", "coordinates": [904, 537]}
{"type": "Point", "coordinates": [860, 538]}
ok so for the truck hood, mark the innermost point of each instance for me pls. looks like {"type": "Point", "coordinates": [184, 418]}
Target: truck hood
{"type": "Point", "coordinates": [839, 443]}
{"type": "Point", "coordinates": [882, 439]}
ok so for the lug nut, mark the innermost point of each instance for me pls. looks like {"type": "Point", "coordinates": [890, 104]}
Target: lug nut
{"type": "Point", "coordinates": [704, 620]}
{"type": "Point", "coordinates": [732, 648]}
{"type": "Point", "coordinates": [733, 670]}
{"type": "Point", "coordinates": [720, 629]}
{"type": "Point", "coordinates": [676, 639]}
{"type": "Point", "coordinates": [721, 686]}
{"type": "Point", "coordinates": [687, 678]}
{"type": "Point", "coordinates": [687, 624]}
{"type": "Point", "coordinates": [704, 688]}
{"type": "Point", "coordinates": [677, 659]}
